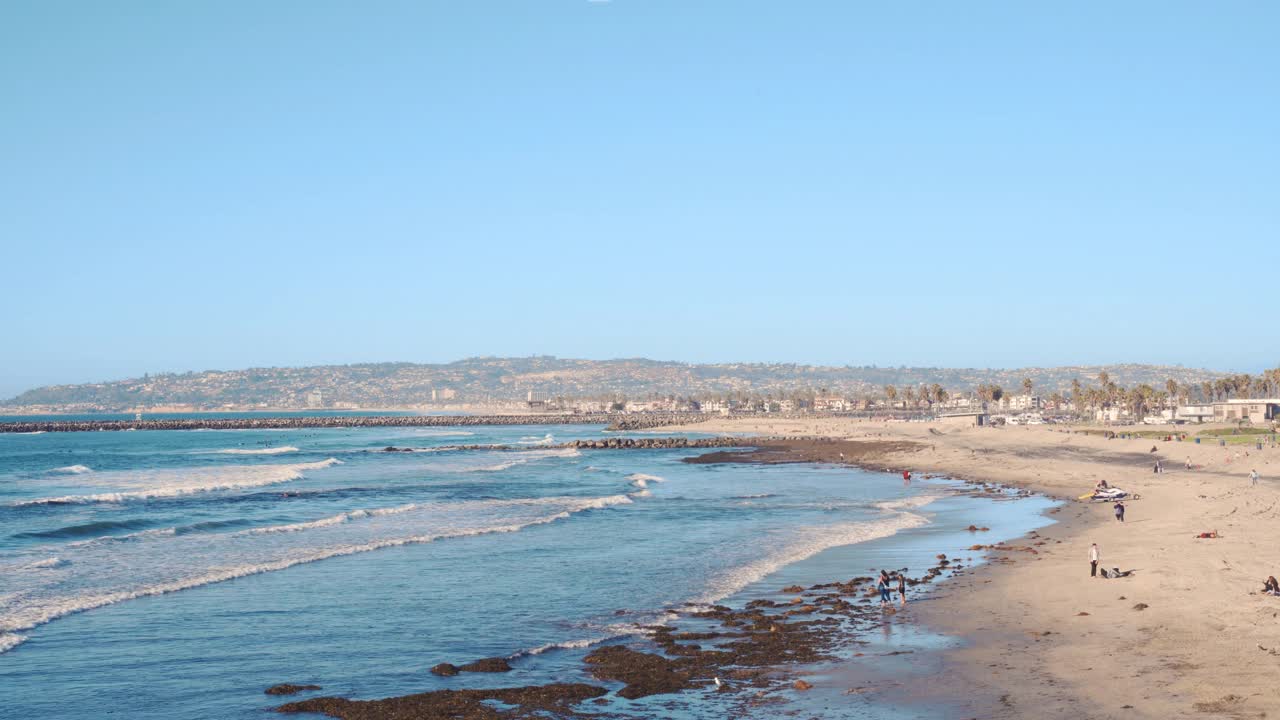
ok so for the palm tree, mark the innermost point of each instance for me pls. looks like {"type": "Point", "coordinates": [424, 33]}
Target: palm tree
{"type": "Point", "coordinates": [1172, 386]}
{"type": "Point", "coordinates": [891, 392]}
{"type": "Point", "coordinates": [1026, 386]}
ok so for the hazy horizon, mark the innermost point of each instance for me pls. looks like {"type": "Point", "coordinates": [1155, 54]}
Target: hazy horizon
{"type": "Point", "coordinates": [526, 367]}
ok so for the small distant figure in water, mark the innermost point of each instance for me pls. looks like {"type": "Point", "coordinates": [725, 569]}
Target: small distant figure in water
{"type": "Point", "coordinates": [1271, 587]}
{"type": "Point", "coordinates": [1188, 464]}
{"type": "Point", "coordinates": [1120, 511]}
{"type": "Point", "coordinates": [1253, 478]}
{"type": "Point", "coordinates": [1157, 469]}
{"type": "Point", "coordinates": [906, 477]}
{"type": "Point", "coordinates": [902, 588]}
{"type": "Point", "coordinates": [883, 587]}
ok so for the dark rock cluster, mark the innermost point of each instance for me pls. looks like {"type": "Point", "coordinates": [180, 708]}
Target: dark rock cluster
{"type": "Point", "coordinates": [731, 651]}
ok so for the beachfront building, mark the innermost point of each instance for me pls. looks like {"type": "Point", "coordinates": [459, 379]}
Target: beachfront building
{"type": "Point", "coordinates": [830, 403]}
{"type": "Point", "coordinates": [1193, 413]}
{"type": "Point", "coordinates": [315, 399]}
{"type": "Point", "coordinates": [1254, 410]}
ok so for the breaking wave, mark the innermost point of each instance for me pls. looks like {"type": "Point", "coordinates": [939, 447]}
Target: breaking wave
{"type": "Point", "coordinates": [160, 564]}
{"type": "Point", "coordinates": [567, 645]}
{"type": "Point", "coordinates": [641, 480]}
{"type": "Point", "coordinates": [802, 544]}
{"type": "Point", "coordinates": [522, 457]}
{"type": "Point", "coordinates": [125, 486]}
{"type": "Point", "coordinates": [73, 469]}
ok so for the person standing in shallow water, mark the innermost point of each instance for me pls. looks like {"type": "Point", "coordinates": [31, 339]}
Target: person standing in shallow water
{"type": "Point", "coordinates": [1094, 557]}
{"type": "Point", "coordinates": [902, 588]}
{"type": "Point", "coordinates": [883, 587]}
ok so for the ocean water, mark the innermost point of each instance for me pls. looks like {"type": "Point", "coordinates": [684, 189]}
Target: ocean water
{"type": "Point", "coordinates": [160, 574]}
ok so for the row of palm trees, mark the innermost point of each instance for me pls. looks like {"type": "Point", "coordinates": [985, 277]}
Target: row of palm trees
{"type": "Point", "coordinates": [1081, 399]}
{"type": "Point", "coordinates": [1138, 400]}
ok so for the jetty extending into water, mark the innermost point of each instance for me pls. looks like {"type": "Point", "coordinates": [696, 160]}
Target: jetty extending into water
{"type": "Point", "coordinates": [628, 422]}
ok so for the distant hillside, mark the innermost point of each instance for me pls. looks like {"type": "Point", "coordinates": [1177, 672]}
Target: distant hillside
{"type": "Point", "coordinates": [484, 379]}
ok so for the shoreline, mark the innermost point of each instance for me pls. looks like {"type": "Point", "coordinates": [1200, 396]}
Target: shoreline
{"type": "Point", "coordinates": [764, 641]}
{"type": "Point", "coordinates": [1187, 635]}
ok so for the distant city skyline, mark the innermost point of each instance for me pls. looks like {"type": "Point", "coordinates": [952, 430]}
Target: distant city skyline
{"type": "Point", "coordinates": [988, 185]}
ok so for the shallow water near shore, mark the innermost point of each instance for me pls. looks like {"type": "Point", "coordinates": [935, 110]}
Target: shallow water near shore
{"type": "Point", "coordinates": [184, 572]}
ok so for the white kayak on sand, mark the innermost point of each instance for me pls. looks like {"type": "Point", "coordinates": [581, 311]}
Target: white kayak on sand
{"type": "Point", "coordinates": [1106, 494]}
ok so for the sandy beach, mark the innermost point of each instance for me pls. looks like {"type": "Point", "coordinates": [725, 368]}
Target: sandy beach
{"type": "Point", "coordinates": [1188, 634]}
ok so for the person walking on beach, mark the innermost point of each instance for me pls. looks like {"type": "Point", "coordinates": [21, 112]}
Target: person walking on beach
{"type": "Point", "coordinates": [1120, 511]}
{"type": "Point", "coordinates": [902, 588]}
{"type": "Point", "coordinates": [883, 587]}
{"type": "Point", "coordinates": [1253, 478]}
{"type": "Point", "coordinates": [1094, 556]}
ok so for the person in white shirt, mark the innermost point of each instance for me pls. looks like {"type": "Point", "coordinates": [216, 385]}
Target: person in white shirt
{"type": "Point", "coordinates": [1094, 556]}
{"type": "Point", "coordinates": [1253, 477]}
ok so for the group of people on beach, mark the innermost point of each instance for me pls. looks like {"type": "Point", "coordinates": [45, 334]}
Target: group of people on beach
{"type": "Point", "coordinates": [884, 585]}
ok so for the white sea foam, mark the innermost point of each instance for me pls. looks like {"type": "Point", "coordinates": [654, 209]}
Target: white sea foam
{"type": "Point", "coordinates": [47, 563]}
{"type": "Point", "coordinates": [755, 496]}
{"type": "Point", "coordinates": [9, 641]}
{"type": "Point", "coordinates": [73, 469]}
{"type": "Point", "coordinates": [911, 503]}
{"type": "Point", "coordinates": [535, 440]}
{"type": "Point", "coordinates": [520, 458]}
{"type": "Point", "coordinates": [33, 432]}
{"type": "Point", "coordinates": [105, 573]}
{"type": "Point", "coordinates": [641, 480]}
{"type": "Point", "coordinates": [804, 543]}
{"type": "Point", "coordinates": [258, 451]}
{"type": "Point", "coordinates": [140, 485]}
{"type": "Point", "coordinates": [567, 645]}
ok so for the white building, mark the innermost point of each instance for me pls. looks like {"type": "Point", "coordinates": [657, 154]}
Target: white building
{"type": "Point", "coordinates": [830, 403]}
{"type": "Point", "coordinates": [1020, 402]}
{"type": "Point", "coordinates": [1194, 413]}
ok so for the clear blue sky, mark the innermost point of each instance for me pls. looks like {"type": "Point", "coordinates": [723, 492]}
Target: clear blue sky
{"type": "Point", "coordinates": [199, 185]}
